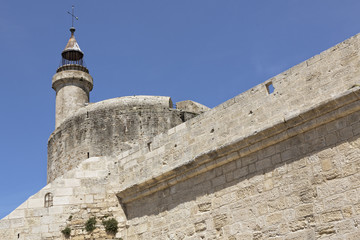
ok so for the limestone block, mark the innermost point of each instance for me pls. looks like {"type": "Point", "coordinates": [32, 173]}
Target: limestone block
{"type": "Point", "coordinates": [72, 182]}
{"type": "Point", "coordinates": [36, 203]}
{"type": "Point", "coordinates": [352, 236]}
{"type": "Point", "coordinates": [89, 198]}
{"type": "Point", "coordinates": [90, 174]}
{"type": "Point", "coordinates": [17, 213]}
{"type": "Point", "coordinates": [274, 218]}
{"type": "Point", "coordinates": [191, 106]}
{"type": "Point", "coordinates": [56, 210]}
{"type": "Point", "coordinates": [61, 200]}
{"type": "Point", "coordinates": [40, 229]}
{"type": "Point", "coordinates": [4, 224]}
{"type": "Point", "coordinates": [63, 192]}
{"type": "Point", "coordinates": [331, 216]}
{"type": "Point", "coordinates": [200, 226]}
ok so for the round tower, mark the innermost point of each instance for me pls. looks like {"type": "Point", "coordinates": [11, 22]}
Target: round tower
{"type": "Point", "coordinates": [72, 81]}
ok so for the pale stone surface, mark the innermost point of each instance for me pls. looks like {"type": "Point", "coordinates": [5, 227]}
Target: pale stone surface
{"type": "Point", "coordinates": [283, 165]}
{"type": "Point", "coordinates": [191, 106]}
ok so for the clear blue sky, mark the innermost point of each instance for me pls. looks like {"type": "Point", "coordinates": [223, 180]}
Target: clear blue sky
{"type": "Point", "coordinates": [203, 50]}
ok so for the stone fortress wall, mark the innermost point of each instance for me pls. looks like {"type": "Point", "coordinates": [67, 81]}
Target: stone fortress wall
{"type": "Point", "coordinates": [280, 165]}
{"type": "Point", "coordinates": [284, 166]}
{"type": "Point", "coordinates": [109, 127]}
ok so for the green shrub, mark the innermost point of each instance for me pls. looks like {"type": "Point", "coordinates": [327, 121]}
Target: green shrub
{"type": "Point", "coordinates": [90, 224]}
{"type": "Point", "coordinates": [66, 231]}
{"type": "Point", "coordinates": [111, 225]}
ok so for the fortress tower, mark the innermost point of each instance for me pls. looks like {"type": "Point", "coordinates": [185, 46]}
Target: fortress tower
{"type": "Point", "coordinates": [72, 81]}
{"type": "Point", "coordinates": [106, 128]}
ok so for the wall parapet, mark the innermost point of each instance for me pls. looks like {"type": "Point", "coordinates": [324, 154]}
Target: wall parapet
{"type": "Point", "coordinates": [309, 90]}
{"type": "Point", "coordinates": [322, 113]}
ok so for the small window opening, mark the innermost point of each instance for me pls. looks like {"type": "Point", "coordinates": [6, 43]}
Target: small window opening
{"type": "Point", "coordinates": [149, 146]}
{"type": "Point", "coordinates": [88, 155]}
{"type": "Point", "coordinates": [270, 88]}
{"type": "Point", "coordinates": [18, 235]}
{"type": "Point", "coordinates": [48, 200]}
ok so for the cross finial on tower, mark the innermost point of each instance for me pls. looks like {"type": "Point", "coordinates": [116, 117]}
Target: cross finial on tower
{"type": "Point", "coordinates": [72, 16]}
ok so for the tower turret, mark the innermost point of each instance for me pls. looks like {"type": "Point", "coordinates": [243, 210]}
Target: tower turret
{"type": "Point", "coordinates": [72, 81]}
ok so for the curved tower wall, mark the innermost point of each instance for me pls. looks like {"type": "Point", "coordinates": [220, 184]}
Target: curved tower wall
{"type": "Point", "coordinates": [72, 92]}
{"type": "Point", "coordinates": [109, 127]}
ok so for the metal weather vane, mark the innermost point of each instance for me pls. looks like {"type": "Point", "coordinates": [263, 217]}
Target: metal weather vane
{"type": "Point", "coordinates": [72, 16]}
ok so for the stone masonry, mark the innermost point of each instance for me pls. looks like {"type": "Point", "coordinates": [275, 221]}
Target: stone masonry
{"type": "Point", "coordinates": [275, 165]}
{"type": "Point", "coordinates": [109, 127]}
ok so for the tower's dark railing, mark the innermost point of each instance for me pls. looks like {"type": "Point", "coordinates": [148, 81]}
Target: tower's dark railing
{"type": "Point", "coordinates": [72, 65]}
{"type": "Point", "coordinates": [77, 62]}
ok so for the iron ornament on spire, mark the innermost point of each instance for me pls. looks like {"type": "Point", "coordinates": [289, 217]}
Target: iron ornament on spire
{"type": "Point", "coordinates": [72, 16]}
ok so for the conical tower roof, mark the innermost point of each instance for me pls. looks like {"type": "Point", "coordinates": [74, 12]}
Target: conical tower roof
{"type": "Point", "coordinates": [72, 51]}
{"type": "Point", "coordinates": [72, 56]}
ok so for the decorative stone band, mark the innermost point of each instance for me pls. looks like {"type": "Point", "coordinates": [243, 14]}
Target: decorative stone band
{"type": "Point", "coordinates": [322, 113]}
{"type": "Point", "coordinates": [76, 77]}
{"type": "Point", "coordinates": [68, 67]}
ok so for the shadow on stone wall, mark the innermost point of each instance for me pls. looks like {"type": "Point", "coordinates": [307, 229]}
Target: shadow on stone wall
{"type": "Point", "coordinates": [248, 177]}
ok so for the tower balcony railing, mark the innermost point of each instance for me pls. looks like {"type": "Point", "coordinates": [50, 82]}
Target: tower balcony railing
{"type": "Point", "coordinates": [72, 65]}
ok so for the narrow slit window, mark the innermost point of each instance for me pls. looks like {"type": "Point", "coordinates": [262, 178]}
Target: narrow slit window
{"type": "Point", "coordinates": [48, 201]}
{"type": "Point", "coordinates": [270, 88]}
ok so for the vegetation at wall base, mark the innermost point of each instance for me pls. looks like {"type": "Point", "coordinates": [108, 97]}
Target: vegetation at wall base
{"type": "Point", "coordinates": [111, 226]}
{"type": "Point", "coordinates": [90, 224]}
{"type": "Point", "coordinates": [66, 232]}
